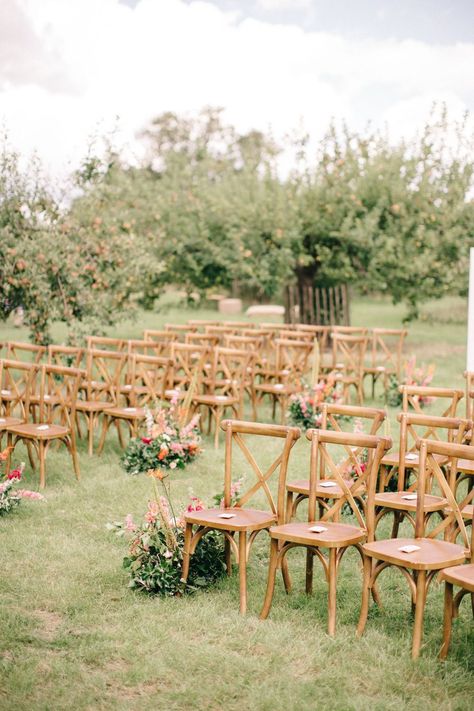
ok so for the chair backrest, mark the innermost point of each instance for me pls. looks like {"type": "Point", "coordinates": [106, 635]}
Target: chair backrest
{"type": "Point", "coordinates": [364, 469]}
{"type": "Point", "coordinates": [179, 329]}
{"type": "Point", "coordinates": [163, 337]}
{"type": "Point", "coordinates": [57, 394]}
{"type": "Point", "coordinates": [231, 369]}
{"type": "Point", "coordinates": [331, 414]}
{"type": "Point", "coordinates": [147, 347]}
{"type": "Point", "coordinates": [350, 330]}
{"type": "Point", "coordinates": [29, 352]}
{"type": "Point", "coordinates": [411, 395]}
{"type": "Point", "coordinates": [190, 362]}
{"type": "Point", "coordinates": [348, 352]}
{"type": "Point", "coordinates": [319, 332]}
{"type": "Point", "coordinates": [430, 451]}
{"type": "Point", "coordinates": [293, 356]}
{"type": "Point", "coordinates": [239, 324]}
{"type": "Point", "coordinates": [149, 378]}
{"type": "Point", "coordinates": [253, 343]}
{"type": "Point", "coordinates": [203, 339]}
{"type": "Point", "coordinates": [106, 343]}
{"type": "Point", "coordinates": [200, 323]}
{"type": "Point", "coordinates": [297, 335]}
{"type": "Point", "coordinates": [105, 372]}
{"type": "Point", "coordinates": [16, 382]}
{"type": "Point", "coordinates": [236, 432]}
{"type": "Point", "coordinates": [414, 427]}
{"type": "Point", "coordinates": [67, 356]}
{"type": "Point", "coordinates": [387, 348]}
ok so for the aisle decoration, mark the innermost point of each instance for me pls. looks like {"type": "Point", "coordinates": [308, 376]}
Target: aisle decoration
{"type": "Point", "coordinates": [170, 441]}
{"type": "Point", "coordinates": [303, 410]}
{"type": "Point", "coordinates": [155, 555]}
{"type": "Point", "coordinates": [10, 495]}
{"type": "Point", "coordinates": [420, 377]}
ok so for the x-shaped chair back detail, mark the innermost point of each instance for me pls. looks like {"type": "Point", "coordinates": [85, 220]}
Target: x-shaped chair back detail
{"type": "Point", "coordinates": [236, 432]}
{"type": "Point", "coordinates": [66, 356]}
{"type": "Point", "coordinates": [190, 362]}
{"type": "Point", "coordinates": [387, 347]}
{"type": "Point", "coordinates": [411, 395]}
{"type": "Point", "coordinates": [29, 352]}
{"type": "Point", "coordinates": [106, 343]}
{"type": "Point", "coordinates": [150, 376]}
{"type": "Point", "coordinates": [106, 371]}
{"type": "Point", "coordinates": [349, 352]}
{"type": "Point", "coordinates": [16, 383]}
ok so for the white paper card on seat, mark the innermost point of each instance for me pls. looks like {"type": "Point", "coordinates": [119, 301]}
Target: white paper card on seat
{"type": "Point", "coordinates": [409, 549]}
{"type": "Point", "coordinates": [318, 529]}
{"type": "Point", "coordinates": [6, 392]}
{"type": "Point", "coordinates": [327, 484]}
{"type": "Point", "coordinates": [411, 456]}
{"type": "Point", "coordinates": [221, 397]}
{"type": "Point", "coordinates": [43, 427]}
{"type": "Point", "coordinates": [227, 515]}
{"type": "Point", "coordinates": [279, 386]}
{"type": "Point", "coordinates": [129, 409]}
{"type": "Point", "coordinates": [409, 497]}
{"type": "Point", "coordinates": [2, 419]}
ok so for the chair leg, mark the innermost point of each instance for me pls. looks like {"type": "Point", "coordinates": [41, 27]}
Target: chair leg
{"type": "Point", "coordinates": [217, 417]}
{"type": "Point", "coordinates": [419, 613]}
{"type": "Point", "coordinates": [332, 581]}
{"type": "Point", "coordinates": [188, 535]}
{"type": "Point", "coordinates": [364, 608]}
{"type": "Point", "coordinates": [272, 568]}
{"type": "Point", "coordinates": [120, 434]}
{"type": "Point", "coordinates": [396, 524]}
{"type": "Point", "coordinates": [309, 571]}
{"type": "Point", "coordinates": [243, 571]}
{"type": "Point", "coordinates": [75, 460]}
{"type": "Point", "coordinates": [42, 462]}
{"type": "Point", "coordinates": [105, 426]}
{"type": "Point", "coordinates": [90, 428]}
{"type": "Point", "coordinates": [285, 572]}
{"type": "Point", "coordinates": [448, 620]}
{"type": "Point", "coordinates": [289, 506]}
{"type": "Point", "coordinates": [228, 556]}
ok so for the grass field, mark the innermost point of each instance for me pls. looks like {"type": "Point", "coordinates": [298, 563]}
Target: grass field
{"type": "Point", "coordinates": [72, 635]}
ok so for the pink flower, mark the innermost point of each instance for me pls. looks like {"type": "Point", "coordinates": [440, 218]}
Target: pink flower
{"type": "Point", "coordinates": [177, 447]}
{"type": "Point", "coordinates": [195, 504]}
{"type": "Point", "coordinates": [173, 465]}
{"type": "Point", "coordinates": [27, 494]}
{"type": "Point", "coordinates": [129, 524]}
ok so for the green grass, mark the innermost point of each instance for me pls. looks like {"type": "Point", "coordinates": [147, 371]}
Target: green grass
{"type": "Point", "coordinates": [72, 635]}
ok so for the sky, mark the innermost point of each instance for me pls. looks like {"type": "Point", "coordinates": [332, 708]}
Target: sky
{"type": "Point", "coordinates": [71, 69]}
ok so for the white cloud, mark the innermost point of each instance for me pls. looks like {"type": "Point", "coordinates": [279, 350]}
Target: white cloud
{"type": "Point", "coordinates": [273, 5]}
{"type": "Point", "coordinates": [70, 67]}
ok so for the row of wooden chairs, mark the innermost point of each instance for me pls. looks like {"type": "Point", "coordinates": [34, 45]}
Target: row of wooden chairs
{"type": "Point", "coordinates": [442, 550]}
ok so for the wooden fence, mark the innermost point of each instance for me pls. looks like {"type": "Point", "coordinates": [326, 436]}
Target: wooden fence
{"type": "Point", "coordinates": [323, 306]}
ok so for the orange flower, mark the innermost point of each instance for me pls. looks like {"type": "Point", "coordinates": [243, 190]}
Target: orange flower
{"type": "Point", "coordinates": [164, 451]}
{"type": "Point", "coordinates": [4, 454]}
{"type": "Point", "coordinates": [157, 474]}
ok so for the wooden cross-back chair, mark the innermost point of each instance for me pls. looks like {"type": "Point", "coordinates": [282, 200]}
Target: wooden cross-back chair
{"type": "Point", "coordinates": [57, 395]}
{"type": "Point", "coordinates": [385, 355]}
{"type": "Point", "coordinates": [231, 372]}
{"type": "Point", "coordinates": [16, 379]}
{"type": "Point", "coordinates": [282, 381]}
{"type": "Point", "coordinates": [328, 489]}
{"type": "Point", "coordinates": [237, 518]}
{"type": "Point", "coordinates": [105, 375]}
{"type": "Point", "coordinates": [402, 503]}
{"type": "Point", "coordinates": [461, 576]}
{"type": "Point", "coordinates": [149, 378]}
{"type": "Point", "coordinates": [319, 332]}
{"type": "Point", "coordinates": [200, 323]}
{"type": "Point", "coordinates": [106, 343]}
{"type": "Point", "coordinates": [422, 557]}
{"type": "Point", "coordinates": [253, 343]}
{"type": "Point", "coordinates": [180, 330]}
{"type": "Point", "coordinates": [67, 356]}
{"type": "Point", "coordinates": [326, 533]}
{"type": "Point", "coordinates": [163, 338]}
{"type": "Point", "coordinates": [191, 363]}
{"type": "Point", "coordinates": [411, 395]}
{"type": "Point", "coordinates": [240, 325]}
{"type": "Point", "coordinates": [348, 353]}
{"type": "Point", "coordinates": [30, 352]}
{"type": "Point", "coordinates": [221, 331]}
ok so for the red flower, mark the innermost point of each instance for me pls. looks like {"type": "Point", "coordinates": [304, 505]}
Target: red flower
{"type": "Point", "coordinates": [146, 440]}
{"type": "Point", "coordinates": [14, 474]}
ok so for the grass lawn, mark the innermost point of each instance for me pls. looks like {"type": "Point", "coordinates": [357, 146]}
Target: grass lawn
{"type": "Point", "coordinates": [72, 635]}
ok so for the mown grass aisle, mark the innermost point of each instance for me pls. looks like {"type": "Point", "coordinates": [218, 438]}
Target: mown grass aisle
{"type": "Point", "coordinates": [72, 635]}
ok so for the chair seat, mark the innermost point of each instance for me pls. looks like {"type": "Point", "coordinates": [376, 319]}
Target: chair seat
{"type": "Point", "coordinates": [92, 405]}
{"type": "Point", "coordinates": [462, 575]}
{"type": "Point", "coordinates": [35, 431]}
{"type": "Point", "coordinates": [412, 459]}
{"type": "Point", "coordinates": [276, 388]}
{"type": "Point", "coordinates": [432, 554]}
{"type": "Point", "coordinates": [466, 511]}
{"type": "Point", "coordinates": [215, 399]}
{"type": "Point", "coordinates": [126, 413]}
{"type": "Point", "coordinates": [173, 392]}
{"type": "Point", "coordinates": [242, 519]}
{"type": "Point", "coordinates": [9, 422]}
{"type": "Point", "coordinates": [395, 500]}
{"type": "Point", "coordinates": [465, 466]}
{"type": "Point", "coordinates": [337, 535]}
{"type": "Point", "coordinates": [301, 486]}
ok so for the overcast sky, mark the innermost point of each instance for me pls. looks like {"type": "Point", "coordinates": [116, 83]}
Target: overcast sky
{"type": "Point", "coordinates": [69, 68]}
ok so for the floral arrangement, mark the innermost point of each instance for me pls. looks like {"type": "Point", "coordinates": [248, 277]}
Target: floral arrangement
{"type": "Point", "coordinates": [155, 555]}
{"type": "Point", "coordinates": [421, 377]}
{"type": "Point", "coordinates": [235, 489]}
{"type": "Point", "coordinates": [303, 410]}
{"type": "Point", "coordinates": [10, 496]}
{"type": "Point", "coordinates": [170, 442]}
